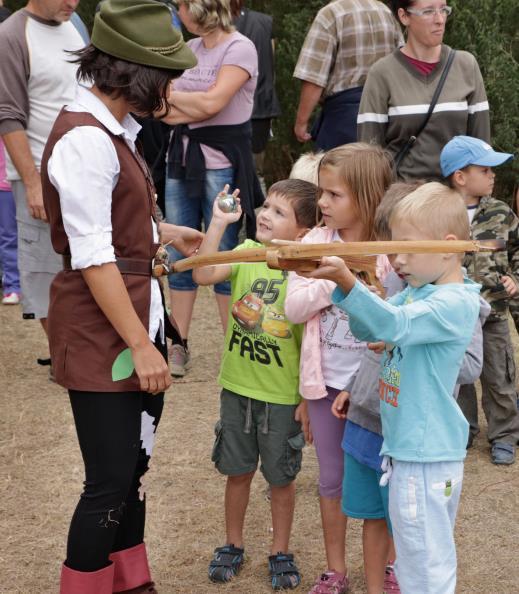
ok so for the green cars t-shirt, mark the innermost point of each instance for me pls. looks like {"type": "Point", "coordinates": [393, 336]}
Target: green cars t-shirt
{"type": "Point", "coordinates": [261, 353]}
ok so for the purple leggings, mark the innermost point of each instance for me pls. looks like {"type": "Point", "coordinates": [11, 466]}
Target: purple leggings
{"type": "Point", "coordinates": [8, 243]}
{"type": "Point", "coordinates": [327, 431]}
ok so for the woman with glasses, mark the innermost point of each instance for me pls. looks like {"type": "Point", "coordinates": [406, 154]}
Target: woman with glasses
{"type": "Point", "coordinates": [400, 87]}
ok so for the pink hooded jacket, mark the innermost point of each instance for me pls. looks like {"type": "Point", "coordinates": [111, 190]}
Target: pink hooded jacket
{"type": "Point", "coordinates": [304, 301]}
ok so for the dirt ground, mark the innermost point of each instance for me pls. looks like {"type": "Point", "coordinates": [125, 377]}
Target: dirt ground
{"type": "Point", "coordinates": [41, 474]}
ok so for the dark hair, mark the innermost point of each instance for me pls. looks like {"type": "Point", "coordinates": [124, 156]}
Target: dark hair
{"type": "Point", "coordinates": [5, 13]}
{"type": "Point", "coordinates": [144, 87]}
{"type": "Point", "coordinates": [396, 5]}
{"type": "Point", "coordinates": [302, 196]}
{"type": "Point", "coordinates": [449, 180]}
{"type": "Point", "coordinates": [236, 6]}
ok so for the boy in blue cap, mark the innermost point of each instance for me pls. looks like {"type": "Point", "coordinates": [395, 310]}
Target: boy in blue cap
{"type": "Point", "coordinates": [467, 164]}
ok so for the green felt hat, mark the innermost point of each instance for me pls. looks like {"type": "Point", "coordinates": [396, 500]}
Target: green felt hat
{"type": "Point", "coordinates": [141, 31]}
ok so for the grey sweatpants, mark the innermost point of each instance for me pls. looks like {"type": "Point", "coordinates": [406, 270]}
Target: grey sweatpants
{"type": "Point", "coordinates": [499, 396]}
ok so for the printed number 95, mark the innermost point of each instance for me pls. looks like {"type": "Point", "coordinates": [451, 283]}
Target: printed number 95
{"type": "Point", "coordinates": [268, 291]}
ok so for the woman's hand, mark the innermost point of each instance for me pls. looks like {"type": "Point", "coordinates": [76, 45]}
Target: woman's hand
{"type": "Point", "coordinates": [184, 239]}
{"type": "Point", "coordinates": [151, 368]}
{"type": "Point", "coordinates": [340, 405]}
{"type": "Point", "coordinates": [301, 415]}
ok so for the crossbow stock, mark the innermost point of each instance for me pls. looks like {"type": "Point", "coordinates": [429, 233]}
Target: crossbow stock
{"type": "Point", "coordinates": [359, 256]}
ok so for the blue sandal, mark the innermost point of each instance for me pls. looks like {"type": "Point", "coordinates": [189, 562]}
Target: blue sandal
{"type": "Point", "coordinates": [284, 574]}
{"type": "Point", "coordinates": [226, 563]}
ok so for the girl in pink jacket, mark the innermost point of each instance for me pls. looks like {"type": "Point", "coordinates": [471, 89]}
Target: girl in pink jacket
{"type": "Point", "coordinates": [352, 180]}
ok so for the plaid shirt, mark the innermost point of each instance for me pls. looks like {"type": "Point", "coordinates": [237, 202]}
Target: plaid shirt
{"type": "Point", "coordinates": [345, 39]}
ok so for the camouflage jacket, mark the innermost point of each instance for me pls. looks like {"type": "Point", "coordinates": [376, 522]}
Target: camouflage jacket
{"type": "Point", "coordinates": [494, 219]}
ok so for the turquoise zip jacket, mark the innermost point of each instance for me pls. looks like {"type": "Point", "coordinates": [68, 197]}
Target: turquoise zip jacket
{"type": "Point", "coordinates": [426, 331]}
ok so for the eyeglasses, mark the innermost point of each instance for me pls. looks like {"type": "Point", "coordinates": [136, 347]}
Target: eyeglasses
{"type": "Point", "coordinates": [429, 13]}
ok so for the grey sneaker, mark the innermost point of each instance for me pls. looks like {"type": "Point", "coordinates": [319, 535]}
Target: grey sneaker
{"type": "Point", "coordinates": [179, 360]}
{"type": "Point", "coordinates": [502, 453]}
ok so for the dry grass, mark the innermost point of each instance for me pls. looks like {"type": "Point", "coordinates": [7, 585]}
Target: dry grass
{"type": "Point", "coordinates": [41, 474]}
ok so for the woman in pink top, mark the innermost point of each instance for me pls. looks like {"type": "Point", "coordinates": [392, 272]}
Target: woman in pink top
{"type": "Point", "coordinates": [8, 239]}
{"type": "Point", "coordinates": [211, 144]}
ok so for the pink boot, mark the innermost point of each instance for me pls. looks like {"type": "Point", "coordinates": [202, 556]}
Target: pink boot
{"type": "Point", "coordinates": [86, 582]}
{"type": "Point", "coordinates": [132, 573]}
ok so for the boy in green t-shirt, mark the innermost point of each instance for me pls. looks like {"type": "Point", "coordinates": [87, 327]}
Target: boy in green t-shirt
{"type": "Point", "coordinates": [260, 415]}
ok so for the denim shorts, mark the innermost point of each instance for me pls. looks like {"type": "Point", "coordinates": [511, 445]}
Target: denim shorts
{"type": "Point", "coordinates": [249, 430]}
{"type": "Point", "coordinates": [362, 495]}
{"type": "Point", "coordinates": [191, 213]}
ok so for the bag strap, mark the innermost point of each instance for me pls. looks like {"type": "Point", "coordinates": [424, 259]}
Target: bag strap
{"type": "Point", "coordinates": [412, 139]}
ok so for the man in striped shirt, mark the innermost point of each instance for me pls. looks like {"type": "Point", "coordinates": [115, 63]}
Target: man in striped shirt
{"type": "Point", "coordinates": [345, 39]}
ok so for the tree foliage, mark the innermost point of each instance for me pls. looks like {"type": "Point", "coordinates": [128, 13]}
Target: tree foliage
{"type": "Point", "coordinates": [490, 31]}
{"type": "Point", "coordinates": [487, 28]}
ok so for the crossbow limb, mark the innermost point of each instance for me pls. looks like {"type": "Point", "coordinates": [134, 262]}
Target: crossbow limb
{"type": "Point", "coordinates": [360, 256]}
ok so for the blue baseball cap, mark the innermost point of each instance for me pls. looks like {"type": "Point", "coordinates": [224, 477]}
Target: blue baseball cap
{"type": "Point", "coordinates": [463, 151]}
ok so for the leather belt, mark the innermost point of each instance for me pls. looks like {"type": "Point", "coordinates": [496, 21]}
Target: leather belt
{"type": "Point", "coordinates": [125, 265]}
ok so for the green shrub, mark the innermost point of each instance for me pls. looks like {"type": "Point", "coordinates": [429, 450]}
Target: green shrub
{"type": "Point", "coordinates": [489, 30]}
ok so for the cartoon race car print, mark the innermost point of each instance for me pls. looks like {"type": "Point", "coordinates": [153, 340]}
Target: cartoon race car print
{"type": "Point", "coordinates": [275, 322]}
{"type": "Point", "coordinates": [247, 311]}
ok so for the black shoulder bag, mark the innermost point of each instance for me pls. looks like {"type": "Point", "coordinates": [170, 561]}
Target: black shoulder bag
{"type": "Point", "coordinates": [412, 139]}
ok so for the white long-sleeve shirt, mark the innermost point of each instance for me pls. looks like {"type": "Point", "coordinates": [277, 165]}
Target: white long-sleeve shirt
{"type": "Point", "coordinates": [84, 169]}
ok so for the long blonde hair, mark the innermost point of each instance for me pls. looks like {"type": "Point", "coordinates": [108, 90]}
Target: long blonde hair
{"type": "Point", "coordinates": [365, 169]}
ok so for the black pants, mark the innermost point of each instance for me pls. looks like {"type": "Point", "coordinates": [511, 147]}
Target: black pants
{"type": "Point", "coordinates": [115, 432]}
{"type": "Point", "coordinates": [336, 124]}
{"type": "Point", "coordinates": [260, 134]}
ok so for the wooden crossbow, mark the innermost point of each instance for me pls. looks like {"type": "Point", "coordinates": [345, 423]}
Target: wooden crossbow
{"type": "Point", "coordinates": [359, 256]}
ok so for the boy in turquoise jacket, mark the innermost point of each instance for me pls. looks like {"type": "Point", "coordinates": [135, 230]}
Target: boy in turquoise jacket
{"type": "Point", "coordinates": [426, 328]}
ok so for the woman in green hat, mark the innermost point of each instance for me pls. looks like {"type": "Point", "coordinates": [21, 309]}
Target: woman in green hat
{"type": "Point", "coordinates": [106, 319]}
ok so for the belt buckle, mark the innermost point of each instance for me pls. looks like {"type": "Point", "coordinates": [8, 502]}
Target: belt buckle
{"type": "Point", "coordinates": [160, 263]}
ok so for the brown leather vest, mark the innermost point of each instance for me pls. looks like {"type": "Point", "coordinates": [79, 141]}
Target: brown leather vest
{"type": "Point", "coordinates": [83, 343]}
